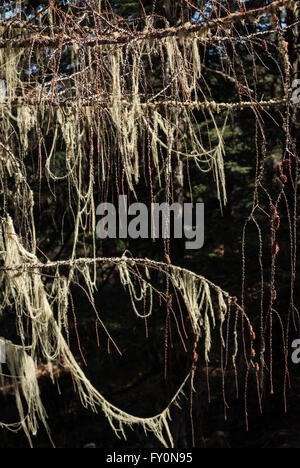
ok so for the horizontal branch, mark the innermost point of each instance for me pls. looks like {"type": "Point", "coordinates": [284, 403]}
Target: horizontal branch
{"type": "Point", "coordinates": [193, 105]}
{"type": "Point", "coordinates": [218, 106]}
{"type": "Point", "coordinates": [120, 38]}
{"type": "Point", "coordinates": [163, 267]}
{"type": "Point", "coordinates": [42, 370]}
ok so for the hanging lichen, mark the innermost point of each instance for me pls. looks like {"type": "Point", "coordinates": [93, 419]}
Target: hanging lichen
{"type": "Point", "coordinates": [81, 106]}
